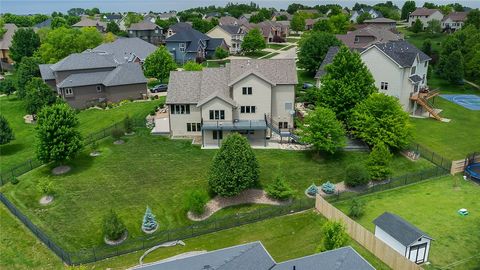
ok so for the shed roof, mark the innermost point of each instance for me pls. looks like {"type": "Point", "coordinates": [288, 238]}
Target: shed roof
{"type": "Point", "coordinates": [398, 228]}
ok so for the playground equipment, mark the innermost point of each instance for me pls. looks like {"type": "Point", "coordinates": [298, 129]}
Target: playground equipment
{"type": "Point", "coordinates": [472, 167]}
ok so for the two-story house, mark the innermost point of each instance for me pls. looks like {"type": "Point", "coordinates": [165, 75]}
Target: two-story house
{"type": "Point", "coordinates": [88, 78]}
{"type": "Point", "coordinates": [192, 45]}
{"type": "Point", "coordinates": [364, 37]}
{"type": "Point", "coordinates": [385, 23]}
{"type": "Point", "coordinates": [147, 31]}
{"type": "Point", "coordinates": [127, 49]}
{"type": "Point", "coordinates": [373, 14]}
{"type": "Point", "coordinates": [454, 21]}
{"type": "Point", "coordinates": [252, 97]}
{"type": "Point", "coordinates": [271, 31]}
{"type": "Point", "coordinates": [424, 15]}
{"type": "Point", "coordinates": [87, 22]}
{"type": "Point", "coordinates": [232, 34]}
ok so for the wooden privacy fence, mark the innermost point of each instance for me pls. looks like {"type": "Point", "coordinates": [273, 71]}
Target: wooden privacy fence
{"type": "Point", "coordinates": [459, 165]}
{"type": "Point", "coordinates": [367, 239]}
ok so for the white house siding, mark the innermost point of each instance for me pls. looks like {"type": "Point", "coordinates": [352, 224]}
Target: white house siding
{"type": "Point", "coordinates": [422, 241]}
{"type": "Point", "coordinates": [217, 104]}
{"type": "Point", "coordinates": [425, 19]}
{"type": "Point", "coordinates": [178, 122]}
{"type": "Point", "coordinates": [261, 98]}
{"type": "Point", "coordinates": [448, 23]}
{"type": "Point", "coordinates": [389, 240]}
{"type": "Point", "coordinates": [282, 94]}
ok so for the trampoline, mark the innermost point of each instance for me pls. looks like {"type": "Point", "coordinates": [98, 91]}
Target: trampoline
{"type": "Point", "coordinates": [471, 102]}
{"type": "Point", "coordinates": [473, 170]}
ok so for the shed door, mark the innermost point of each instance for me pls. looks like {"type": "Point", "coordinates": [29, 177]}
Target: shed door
{"type": "Point", "coordinates": [418, 253]}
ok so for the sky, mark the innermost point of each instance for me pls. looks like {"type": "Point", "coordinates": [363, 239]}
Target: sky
{"type": "Point", "coordinates": [48, 6]}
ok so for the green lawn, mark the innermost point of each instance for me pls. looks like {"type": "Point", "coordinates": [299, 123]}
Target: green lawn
{"type": "Point", "coordinates": [23, 147]}
{"type": "Point", "coordinates": [215, 63]}
{"type": "Point", "coordinates": [292, 40]}
{"type": "Point", "coordinates": [276, 46]}
{"type": "Point", "coordinates": [432, 206]}
{"type": "Point", "coordinates": [151, 170]}
{"type": "Point", "coordinates": [459, 137]}
{"type": "Point", "coordinates": [417, 39]}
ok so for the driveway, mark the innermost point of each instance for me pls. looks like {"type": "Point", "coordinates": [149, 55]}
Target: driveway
{"type": "Point", "coordinates": [288, 54]}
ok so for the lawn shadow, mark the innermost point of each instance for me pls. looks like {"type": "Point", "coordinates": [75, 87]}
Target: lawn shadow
{"type": "Point", "coordinates": [10, 149]}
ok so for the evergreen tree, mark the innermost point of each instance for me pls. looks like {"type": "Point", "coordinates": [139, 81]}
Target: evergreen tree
{"type": "Point", "coordinates": [408, 7]}
{"type": "Point", "coordinates": [6, 132]}
{"type": "Point", "coordinates": [159, 64]}
{"type": "Point", "coordinates": [8, 85]}
{"type": "Point", "coordinates": [417, 26]}
{"type": "Point", "coordinates": [149, 222]}
{"type": "Point", "coordinates": [25, 71]}
{"type": "Point", "coordinates": [427, 47]}
{"type": "Point", "coordinates": [452, 69]}
{"type": "Point", "coordinates": [234, 168]}
{"type": "Point", "coordinates": [378, 162]}
{"type": "Point", "coordinates": [113, 226]}
{"type": "Point", "coordinates": [24, 43]}
{"type": "Point", "coordinates": [112, 27]}
{"type": "Point", "coordinates": [346, 83]}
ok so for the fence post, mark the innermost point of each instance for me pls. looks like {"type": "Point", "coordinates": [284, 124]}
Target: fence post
{"type": "Point", "coordinates": [30, 161]}
{"type": "Point", "coordinates": [94, 254]}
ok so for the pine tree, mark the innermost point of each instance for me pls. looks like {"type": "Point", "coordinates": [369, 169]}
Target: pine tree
{"type": "Point", "coordinates": [6, 133]}
{"type": "Point", "coordinates": [149, 222]}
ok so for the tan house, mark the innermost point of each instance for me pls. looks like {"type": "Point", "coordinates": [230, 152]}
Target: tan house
{"type": "Point", "coordinates": [454, 21]}
{"type": "Point", "coordinates": [271, 31]}
{"type": "Point", "coordinates": [232, 34]}
{"type": "Point", "coordinates": [424, 15]}
{"type": "Point", "coordinates": [89, 78]}
{"type": "Point", "coordinates": [364, 37]}
{"type": "Point", "coordinates": [87, 22]}
{"type": "Point", "coordinates": [6, 42]}
{"type": "Point", "coordinates": [251, 97]}
{"type": "Point", "coordinates": [384, 23]}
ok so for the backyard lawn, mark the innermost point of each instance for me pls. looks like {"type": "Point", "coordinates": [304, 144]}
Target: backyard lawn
{"type": "Point", "coordinates": [432, 206]}
{"type": "Point", "coordinates": [417, 39]}
{"type": "Point", "coordinates": [459, 137]}
{"type": "Point", "coordinates": [276, 46]}
{"type": "Point", "coordinates": [23, 147]}
{"type": "Point", "coordinates": [154, 171]}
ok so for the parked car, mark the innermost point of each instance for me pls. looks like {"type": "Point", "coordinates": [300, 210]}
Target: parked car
{"type": "Point", "coordinates": [307, 85]}
{"type": "Point", "coordinates": [159, 88]}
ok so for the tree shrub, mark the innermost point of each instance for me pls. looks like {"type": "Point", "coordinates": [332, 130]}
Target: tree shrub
{"type": "Point", "coordinates": [195, 201]}
{"type": "Point", "coordinates": [334, 236]}
{"type": "Point", "coordinates": [328, 188]}
{"type": "Point", "coordinates": [378, 162]}
{"type": "Point", "coordinates": [234, 168]}
{"type": "Point", "coordinates": [14, 180]}
{"type": "Point", "coordinates": [6, 132]}
{"type": "Point", "coordinates": [113, 227]}
{"type": "Point", "coordinates": [128, 124]}
{"type": "Point", "coordinates": [45, 187]}
{"type": "Point", "coordinates": [357, 208]}
{"type": "Point", "coordinates": [220, 53]}
{"type": "Point", "coordinates": [117, 133]}
{"type": "Point", "coordinates": [279, 189]}
{"type": "Point", "coordinates": [312, 190]}
{"type": "Point", "coordinates": [149, 222]}
{"type": "Point", "coordinates": [356, 175]}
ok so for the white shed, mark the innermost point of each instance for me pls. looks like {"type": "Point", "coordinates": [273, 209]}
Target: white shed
{"type": "Point", "coordinates": [403, 237]}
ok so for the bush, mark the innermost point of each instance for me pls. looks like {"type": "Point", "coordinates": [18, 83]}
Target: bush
{"type": "Point", "coordinates": [128, 124]}
{"type": "Point", "coordinates": [334, 236]}
{"type": "Point", "coordinates": [312, 190]}
{"type": "Point", "coordinates": [378, 162]}
{"type": "Point", "coordinates": [113, 227]}
{"type": "Point", "coordinates": [356, 175]}
{"type": "Point", "coordinates": [45, 187]}
{"type": "Point", "coordinates": [328, 187]}
{"type": "Point", "coordinates": [195, 201]}
{"type": "Point", "coordinates": [220, 53]}
{"type": "Point", "coordinates": [117, 133]}
{"type": "Point", "coordinates": [14, 180]}
{"type": "Point", "coordinates": [279, 189]}
{"type": "Point", "coordinates": [357, 208]}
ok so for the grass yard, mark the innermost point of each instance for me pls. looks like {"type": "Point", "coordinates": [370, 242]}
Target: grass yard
{"type": "Point", "coordinates": [215, 63]}
{"type": "Point", "coordinates": [23, 147]}
{"type": "Point", "coordinates": [432, 206]}
{"type": "Point", "coordinates": [150, 170]}
{"type": "Point", "coordinates": [276, 46]}
{"type": "Point", "coordinates": [417, 39]}
{"type": "Point", "coordinates": [459, 137]}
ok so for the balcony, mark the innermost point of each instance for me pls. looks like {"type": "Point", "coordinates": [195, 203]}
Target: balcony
{"type": "Point", "coordinates": [235, 125]}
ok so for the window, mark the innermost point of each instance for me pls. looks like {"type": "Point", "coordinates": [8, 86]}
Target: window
{"type": "Point", "coordinates": [423, 79]}
{"type": "Point", "coordinates": [131, 32]}
{"type": "Point", "coordinates": [217, 114]}
{"type": "Point", "coordinates": [217, 134]}
{"type": "Point", "coordinates": [384, 85]}
{"type": "Point", "coordinates": [288, 106]}
{"type": "Point", "coordinates": [156, 31]}
{"type": "Point", "coordinates": [282, 125]}
{"type": "Point", "coordinates": [68, 92]}
{"type": "Point", "coordinates": [99, 88]}
{"type": "Point", "coordinates": [414, 69]}
{"type": "Point", "coordinates": [180, 109]}
{"type": "Point", "coordinates": [247, 90]}
{"type": "Point", "coordinates": [194, 127]}
{"type": "Point", "coordinates": [357, 40]}
{"type": "Point", "coordinates": [182, 47]}
{"type": "Point", "coordinates": [425, 64]}
{"type": "Point", "coordinates": [247, 109]}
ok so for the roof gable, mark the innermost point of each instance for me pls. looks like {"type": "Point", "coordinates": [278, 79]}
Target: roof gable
{"type": "Point", "coordinates": [399, 229]}
{"type": "Point", "coordinates": [251, 73]}
{"type": "Point", "coordinates": [85, 60]}
{"type": "Point", "coordinates": [124, 49]}
{"type": "Point", "coordinates": [401, 52]}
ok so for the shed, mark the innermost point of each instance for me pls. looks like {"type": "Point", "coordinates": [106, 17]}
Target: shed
{"type": "Point", "coordinates": [403, 237]}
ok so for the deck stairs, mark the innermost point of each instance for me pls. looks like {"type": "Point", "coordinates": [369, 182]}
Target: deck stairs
{"type": "Point", "coordinates": [283, 133]}
{"type": "Point", "coordinates": [422, 99]}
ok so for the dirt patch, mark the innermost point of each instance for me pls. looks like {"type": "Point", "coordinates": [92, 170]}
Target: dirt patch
{"type": "Point", "coordinates": [61, 170]}
{"type": "Point", "coordinates": [118, 142]}
{"type": "Point", "coordinates": [257, 196]}
{"type": "Point", "coordinates": [116, 242]}
{"type": "Point", "coordinates": [46, 200]}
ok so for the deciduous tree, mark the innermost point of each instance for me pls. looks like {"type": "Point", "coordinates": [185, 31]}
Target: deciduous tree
{"type": "Point", "coordinates": [221, 53]}
{"type": "Point", "coordinates": [313, 48]}
{"type": "Point", "coordinates": [417, 26]}
{"type": "Point", "coordinates": [378, 163]}
{"type": "Point", "coordinates": [364, 16]}
{"type": "Point", "coordinates": [24, 43]}
{"type": "Point", "coordinates": [473, 18]}
{"type": "Point", "coordinates": [253, 41]}
{"type": "Point", "coordinates": [334, 235]}
{"type": "Point", "coordinates": [159, 64]}
{"type": "Point", "coordinates": [38, 95]}
{"type": "Point", "coordinates": [453, 69]}
{"type": "Point", "coordinates": [192, 66]}
{"type": "Point", "coordinates": [298, 22]}
{"type": "Point", "coordinates": [433, 27]}
{"type": "Point", "coordinates": [7, 86]}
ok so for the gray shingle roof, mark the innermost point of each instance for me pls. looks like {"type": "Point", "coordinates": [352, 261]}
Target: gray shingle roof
{"type": "Point", "coordinates": [399, 229]}
{"type": "Point", "coordinates": [380, 20]}
{"type": "Point", "coordinates": [180, 26]}
{"type": "Point", "coordinates": [127, 73]}
{"type": "Point", "coordinates": [198, 87]}
{"type": "Point", "coordinates": [83, 79]}
{"type": "Point", "coordinates": [332, 51]}
{"type": "Point", "coordinates": [415, 78]}
{"type": "Point", "coordinates": [87, 22]}
{"type": "Point", "coordinates": [402, 52]}
{"type": "Point", "coordinates": [46, 72]}
{"type": "Point", "coordinates": [345, 258]}
{"type": "Point", "coordinates": [43, 24]}
{"type": "Point", "coordinates": [144, 25]}
{"type": "Point", "coordinates": [123, 49]}
{"type": "Point", "coordinates": [85, 60]}
{"type": "Point", "coordinates": [231, 29]}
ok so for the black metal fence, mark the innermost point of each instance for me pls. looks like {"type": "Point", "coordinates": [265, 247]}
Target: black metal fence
{"type": "Point", "coordinates": [394, 182]}
{"type": "Point", "coordinates": [431, 156]}
{"type": "Point", "coordinates": [28, 165]}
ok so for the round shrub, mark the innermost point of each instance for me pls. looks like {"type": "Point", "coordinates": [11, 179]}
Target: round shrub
{"type": "Point", "coordinates": [113, 227]}
{"type": "Point", "coordinates": [357, 208]}
{"type": "Point", "coordinates": [356, 175]}
{"type": "Point", "coordinates": [328, 187]}
{"type": "Point", "coordinates": [195, 201]}
{"type": "Point", "coordinates": [279, 189]}
{"type": "Point", "coordinates": [312, 190]}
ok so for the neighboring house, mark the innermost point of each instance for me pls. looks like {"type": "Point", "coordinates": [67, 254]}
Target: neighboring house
{"type": "Point", "coordinates": [147, 31]}
{"type": "Point", "coordinates": [373, 13]}
{"type": "Point", "coordinates": [249, 96]}
{"type": "Point", "coordinates": [364, 37]}
{"type": "Point", "coordinates": [232, 34]}
{"type": "Point", "coordinates": [271, 31]}
{"type": "Point", "coordinates": [454, 21]}
{"type": "Point", "coordinates": [88, 78]}
{"type": "Point", "coordinates": [44, 24]}
{"type": "Point", "coordinates": [127, 49]}
{"type": "Point", "coordinates": [211, 15]}
{"type": "Point", "coordinates": [5, 43]}
{"type": "Point", "coordinates": [385, 23]}
{"type": "Point", "coordinates": [399, 69]}
{"type": "Point", "coordinates": [328, 59]}
{"type": "Point", "coordinates": [424, 15]}
{"type": "Point", "coordinates": [191, 45]}
{"type": "Point", "coordinates": [403, 237]}
{"type": "Point", "coordinates": [150, 17]}
{"type": "Point", "coordinates": [309, 23]}
{"type": "Point", "coordinates": [112, 17]}
{"type": "Point", "coordinates": [87, 22]}
{"type": "Point", "coordinates": [254, 256]}
{"type": "Point", "coordinates": [167, 15]}
{"type": "Point", "coordinates": [246, 17]}
{"type": "Point", "coordinates": [228, 20]}
{"type": "Point", "coordinates": [178, 27]}
{"type": "Point", "coordinates": [277, 14]}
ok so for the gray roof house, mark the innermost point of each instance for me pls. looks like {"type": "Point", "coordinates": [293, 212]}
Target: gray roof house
{"type": "Point", "coordinates": [148, 31]}
{"type": "Point", "coordinates": [43, 24]}
{"type": "Point", "coordinates": [127, 49]}
{"type": "Point", "coordinates": [88, 78]}
{"type": "Point", "coordinates": [402, 236]}
{"type": "Point", "coordinates": [232, 34]}
{"type": "Point", "coordinates": [254, 256]}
